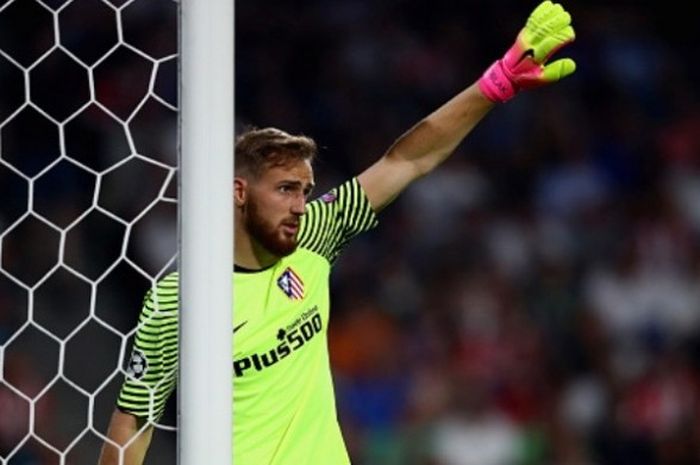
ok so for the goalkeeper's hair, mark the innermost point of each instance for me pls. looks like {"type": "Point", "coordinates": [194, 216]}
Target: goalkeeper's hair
{"type": "Point", "coordinates": [261, 149]}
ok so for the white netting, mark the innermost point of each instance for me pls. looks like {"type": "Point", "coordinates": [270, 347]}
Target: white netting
{"type": "Point", "coordinates": [87, 219]}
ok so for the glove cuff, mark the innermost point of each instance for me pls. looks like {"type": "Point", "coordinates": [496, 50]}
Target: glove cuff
{"type": "Point", "coordinates": [496, 84]}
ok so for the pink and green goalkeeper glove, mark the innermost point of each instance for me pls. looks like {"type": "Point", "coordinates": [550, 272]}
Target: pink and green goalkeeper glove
{"type": "Point", "coordinates": [525, 65]}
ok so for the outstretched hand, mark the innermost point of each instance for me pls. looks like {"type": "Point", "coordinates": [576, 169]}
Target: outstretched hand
{"type": "Point", "coordinates": [525, 65]}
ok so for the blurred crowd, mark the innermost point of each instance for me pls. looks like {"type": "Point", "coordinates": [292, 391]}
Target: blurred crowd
{"type": "Point", "coordinates": [535, 300]}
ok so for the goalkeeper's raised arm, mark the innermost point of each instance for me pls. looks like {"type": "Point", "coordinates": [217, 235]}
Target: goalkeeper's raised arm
{"type": "Point", "coordinates": [525, 65]}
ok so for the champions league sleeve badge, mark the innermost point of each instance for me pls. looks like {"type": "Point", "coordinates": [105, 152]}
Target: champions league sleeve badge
{"type": "Point", "coordinates": [137, 365]}
{"type": "Point", "coordinates": [329, 197]}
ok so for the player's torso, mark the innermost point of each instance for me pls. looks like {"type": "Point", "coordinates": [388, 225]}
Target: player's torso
{"type": "Point", "coordinates": [282, 383]}
{"type": "Point", "coordinates": [274, 305]}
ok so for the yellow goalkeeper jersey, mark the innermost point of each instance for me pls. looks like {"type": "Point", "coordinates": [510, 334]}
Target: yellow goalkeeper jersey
{"type": "Point", "coordinates": [284, 403]}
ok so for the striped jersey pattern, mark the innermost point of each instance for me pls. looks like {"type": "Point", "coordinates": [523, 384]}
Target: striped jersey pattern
{"type": "Point", "coordinates": [335, 218]}
{"type": "Point", "coordinates": [145, 393]}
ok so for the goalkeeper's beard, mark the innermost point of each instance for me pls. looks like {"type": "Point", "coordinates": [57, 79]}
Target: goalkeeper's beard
{"type": "Point", "coordinates": [270, 236]}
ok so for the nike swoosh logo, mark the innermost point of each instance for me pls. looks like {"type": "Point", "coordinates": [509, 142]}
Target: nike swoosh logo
{"type": "Point", "coordinates": [239, 326]}
{"type": "Point", "coordinates": [527, 53]}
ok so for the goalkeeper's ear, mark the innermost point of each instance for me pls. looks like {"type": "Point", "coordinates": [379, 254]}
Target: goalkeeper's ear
{"type": "Point", "coordinates": [240, 191]}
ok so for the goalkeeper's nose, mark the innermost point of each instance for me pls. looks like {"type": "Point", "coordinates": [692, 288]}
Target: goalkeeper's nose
{"type": "Point", "coordinates": [298, 206]}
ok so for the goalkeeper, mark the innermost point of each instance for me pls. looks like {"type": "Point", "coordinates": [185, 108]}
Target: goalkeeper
{"type": "Point", "coordinates": [284, 407]}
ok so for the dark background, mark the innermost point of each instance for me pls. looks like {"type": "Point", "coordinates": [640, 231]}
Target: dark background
{"type": "Point", "coordinates": [533, 301]}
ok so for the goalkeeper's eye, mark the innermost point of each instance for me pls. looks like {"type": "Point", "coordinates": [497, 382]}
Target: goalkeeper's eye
{"type": "Point", "coordinates": [291, 189]}
{"type": "Point", "coordinates": [295, 188]}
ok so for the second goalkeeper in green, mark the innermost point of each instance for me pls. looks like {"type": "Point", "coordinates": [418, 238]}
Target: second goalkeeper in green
{"type": "Point", "coordinates": [285, 247]}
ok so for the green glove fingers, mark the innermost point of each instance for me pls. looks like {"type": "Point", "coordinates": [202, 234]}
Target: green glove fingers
{"type": "Point", "coordinates": [550, 44]}
{"type": "Point", "coordinates": [558, 69]}
{"type": "Point", "coordinates": [540, 13]}
{"type": "Point", "coordinates": [548, 28]}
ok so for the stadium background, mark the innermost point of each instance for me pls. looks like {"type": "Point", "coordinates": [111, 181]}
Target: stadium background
{"type": "Point", "coordinates": [534, 301]}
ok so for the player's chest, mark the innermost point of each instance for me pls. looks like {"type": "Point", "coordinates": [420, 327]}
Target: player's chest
{"type": "Point", "coordinates": [287, 301]}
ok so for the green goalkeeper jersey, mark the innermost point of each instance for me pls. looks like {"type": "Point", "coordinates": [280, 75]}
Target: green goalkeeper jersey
{"type": "Point", "coordinates": [284, 403]}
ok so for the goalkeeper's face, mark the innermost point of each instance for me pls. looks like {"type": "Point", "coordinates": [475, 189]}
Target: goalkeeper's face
{"type": "Point", "coordinates": [274, 203]}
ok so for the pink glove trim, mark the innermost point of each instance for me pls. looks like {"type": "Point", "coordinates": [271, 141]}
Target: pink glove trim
{"type": "Point", "coordinates": [496, 85]}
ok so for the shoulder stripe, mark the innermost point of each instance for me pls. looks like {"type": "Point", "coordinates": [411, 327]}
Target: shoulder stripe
{"type": "Point", "coordinates": [335, 218]}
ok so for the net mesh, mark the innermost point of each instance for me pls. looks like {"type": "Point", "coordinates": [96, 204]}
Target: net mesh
{"type": "Point", "coordinates": [88, 122]}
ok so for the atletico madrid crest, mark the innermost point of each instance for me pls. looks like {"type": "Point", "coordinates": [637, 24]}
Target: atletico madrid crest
{"type": "Point", "coordinates": [291, 284]}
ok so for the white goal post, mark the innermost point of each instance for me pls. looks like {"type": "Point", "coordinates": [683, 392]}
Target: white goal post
{"type": "Point", "coordinates": [206, 231]}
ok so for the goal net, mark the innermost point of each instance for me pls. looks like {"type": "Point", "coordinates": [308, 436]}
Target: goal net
{"type": "Point", "coordinates": [88, 158]}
